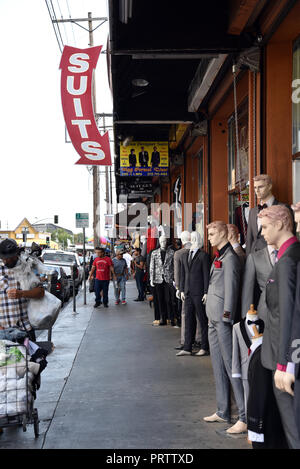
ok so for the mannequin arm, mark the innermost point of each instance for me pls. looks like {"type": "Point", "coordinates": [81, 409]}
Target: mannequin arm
{"type": "Point", "coordinates": [178, 294]}
{"type": "Point", "coordinates": [204, 298]}
{"type": "Point", "coordinates": [182, 296]}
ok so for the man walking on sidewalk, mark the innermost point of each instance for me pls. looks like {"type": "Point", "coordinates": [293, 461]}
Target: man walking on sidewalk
{"type": "Point", "coordinates": [104, 271]}
{"type": "Point", "coordinates": [121, 271]}
{"type": "Point", "coordinates": [139, 274]}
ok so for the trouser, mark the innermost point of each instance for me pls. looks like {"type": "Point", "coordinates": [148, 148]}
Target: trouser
{"type": "Point", "coordinates": [139, 277]}
{"type": "Point", "coordinates": [161, 293]}
{"type": "Point", "coordinates": [220, 343]}
{"type": "Point", "coordinates": [171, 302]}
{"type": "Point", "coordinates": [120, 286]}
{"type": "Point", "coordinates": [182, 322]}
{"type": "Point", "coordinates": [285, 404]}
{"type": "Point", "coordinates": [101, 285]}
{"type": "Point", "coordinates": [194, 308]}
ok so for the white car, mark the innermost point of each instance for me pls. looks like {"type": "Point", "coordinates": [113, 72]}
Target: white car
{"type": "Point", "coordinates": [65, 259]}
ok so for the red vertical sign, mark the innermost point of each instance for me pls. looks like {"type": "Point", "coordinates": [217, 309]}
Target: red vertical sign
{"type": "Point", "coordinates": [77, 67]}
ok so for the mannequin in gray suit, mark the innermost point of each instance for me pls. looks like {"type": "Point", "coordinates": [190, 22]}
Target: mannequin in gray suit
{"type": "Point", "coordinates": [186, 243]}
{"type": "Point", "coordinates": [257, 270]}
{"type": "Point", "coordinates": [221, 306]}
{"type": "Point", "coordinates": [263, 190]}
{"type": "Point", "coordinates": [277, 229]}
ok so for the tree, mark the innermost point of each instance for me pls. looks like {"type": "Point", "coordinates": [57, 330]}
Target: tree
{"type": "Point", "coordinates": [61, 237]}
{"type": "Point", "coordinates": [78, 238]}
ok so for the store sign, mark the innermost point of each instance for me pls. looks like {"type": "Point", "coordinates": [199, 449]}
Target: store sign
{"type": "Point", "coordinates": [108, 221]}
{"type": "Point", "coordinates": [144, 159]}
{"type": "Point", "coordinates": [77, 67]}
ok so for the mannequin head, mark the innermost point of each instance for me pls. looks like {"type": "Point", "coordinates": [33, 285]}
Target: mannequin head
{"type": "Point", "coordinates": [296, 209]}
{"type": "Point", "coordinates": [196, 240]}
{"type": "Point", "coordinates": [263, 187]}
{"type": "Point", "coordinates": [143, 239]}
{"type": "Point", "coordinates": [185, 237]}
{"type": "Point", "coordinates": [163, 242]}
{"type": "Point", "coordinates": [276, 224]}
{"type": "Point", "coordinates": [217, 234]}
{"type": "Point", "coordinates": [233, 233]}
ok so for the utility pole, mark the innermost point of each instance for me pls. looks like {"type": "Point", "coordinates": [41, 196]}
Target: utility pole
{"type": "Point", "coordinates": [96, 198]}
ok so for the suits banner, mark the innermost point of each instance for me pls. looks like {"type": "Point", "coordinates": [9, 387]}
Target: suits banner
{"type": "Point", "coordinates": [144, 159]}
{"type": "Point", "coordinates": [77, 67]}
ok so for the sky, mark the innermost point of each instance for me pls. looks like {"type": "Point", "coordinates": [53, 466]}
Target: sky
{"type": "Point", "coordinates": [39, 177]}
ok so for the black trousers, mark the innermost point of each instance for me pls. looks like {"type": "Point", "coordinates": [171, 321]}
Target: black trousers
{"type": "Point", "coordinates": [194, 308]}
{"type": "Point", "coordinates": [139, 277]}
{"type": "Point", "coordinates": [161, 295]}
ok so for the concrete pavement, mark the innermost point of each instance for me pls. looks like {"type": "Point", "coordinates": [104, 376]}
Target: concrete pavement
{"type": "Point", "coordinates": [114, 381]}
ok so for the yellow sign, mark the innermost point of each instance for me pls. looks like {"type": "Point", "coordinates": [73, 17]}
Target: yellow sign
{"type": "Point", "coordinates": [144, 159]}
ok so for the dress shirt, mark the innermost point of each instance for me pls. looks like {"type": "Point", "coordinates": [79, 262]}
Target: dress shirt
{"type": "Point", "coordinates": [269, 203]}
{"type": "Point", "coordinates": [273, 254]}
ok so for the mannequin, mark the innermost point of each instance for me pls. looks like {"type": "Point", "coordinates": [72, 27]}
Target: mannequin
{"type": "Point", "coordinates": [221, 305]}
{"type": "Point", "coordinates": [265, 429]}
{"type": "Point", "coordinates": [178, 256]}
{"type": "Point", "coordinates": [194, 278]}
{"type": "Point", "coordinates": [277, 229]}
{"type": "Point", "coordinates": [243, 334]}
{"type": "Point", "coordinates": [161, 277]}
{"type": "Point", "coordinates": [263, 190]}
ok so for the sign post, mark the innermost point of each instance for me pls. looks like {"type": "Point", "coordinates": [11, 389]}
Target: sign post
{"type": "Point", "coordinates": [82, 221]}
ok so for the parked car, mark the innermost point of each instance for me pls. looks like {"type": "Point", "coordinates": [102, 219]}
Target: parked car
{"type": "Point", "coordinates": [59, 283]}
{"type": "Point", "coordinates": [65, 260]}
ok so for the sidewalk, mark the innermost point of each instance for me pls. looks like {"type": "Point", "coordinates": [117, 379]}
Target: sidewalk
{"type": "Point", "coordinates": [113, 381]}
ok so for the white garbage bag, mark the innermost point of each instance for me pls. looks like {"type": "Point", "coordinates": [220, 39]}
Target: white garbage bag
{"type": "Point", "coordinates": [43, 312]}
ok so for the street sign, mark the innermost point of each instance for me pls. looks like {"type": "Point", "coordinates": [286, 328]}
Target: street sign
{"type": "Point", "coordinates": [82, 220]}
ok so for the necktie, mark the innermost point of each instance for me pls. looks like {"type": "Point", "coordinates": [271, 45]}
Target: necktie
{"type": "Point", "coordinates": [261, 207]}
{"type": "Point", "coordinates": [190, 258]}
{"type": "Point", "coordinates": [217, 254]}
{"type": "Point", "coordinates": [275, 252]}
{"type": "Point", "coordinates": [257, 322]}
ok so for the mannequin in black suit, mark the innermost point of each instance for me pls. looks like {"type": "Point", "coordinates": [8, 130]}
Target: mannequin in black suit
{"type": "Point", "coordinates": [263, 190]}
{"type": "Point", "coordinates": [277, 228]}
{"type": "Point", "coordinates": [143, 158]}
{"type": "Point", "coordinates": [194, 279]}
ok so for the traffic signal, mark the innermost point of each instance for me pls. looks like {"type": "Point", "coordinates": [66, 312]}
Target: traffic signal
{"type": "Point", "coordinates": [55, 219]}
{"type": "Point", "coordinates": [48, 240]}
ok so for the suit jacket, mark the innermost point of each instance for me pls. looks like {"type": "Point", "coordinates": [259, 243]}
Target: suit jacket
{"type": "Point", "coordinates": [194, 278]}
{"type": "Point", "coordinates": [160, 271]}
{"type": "Point", "coordinates": [241, 342]}
{"type": "Point", "coordinates": [132, 159]}
{"type": "Point", "coordinates": [280, 299]}
{"type": "Point", "coordinates": [143, 159]}
{"type": "Point", "coordinates": [224, 284]}
{"type": "Point", "coordinates": [178, 255]}
{"type": "Point", "coordinates": [257, 271]}
{"type": "Point", "coordinates": [296, 326]}
{"type": "Point", "coordinates": [155, 158]}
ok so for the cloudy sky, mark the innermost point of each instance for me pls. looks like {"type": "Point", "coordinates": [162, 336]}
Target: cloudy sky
{"type": "Point", "coordinates": [39, 177]}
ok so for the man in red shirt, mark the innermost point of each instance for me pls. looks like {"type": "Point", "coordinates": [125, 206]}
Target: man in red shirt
{"type": "Point", "coordinates": [103, 266]}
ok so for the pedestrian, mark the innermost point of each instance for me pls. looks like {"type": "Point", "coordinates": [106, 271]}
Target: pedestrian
{"type": "Point", "coordinates": [139, 273]}
{"type": "Point", "coordinates": [121, 271]}
{"type": "Point", "coordinates": [13, 299]}
{"type": "Point", "coordinates": [128, 258]}
{"type": "Point", "coordinates": [103, 266]}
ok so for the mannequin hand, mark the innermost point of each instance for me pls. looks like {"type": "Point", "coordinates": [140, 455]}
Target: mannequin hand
{"type": "Point", "coordinates": [151, 283]}
{"type": "Point", "coordinates": [178, 294]}
{"type": "Point", "coordinates": [182, 296]}
{"type": "Point", "coordinates": [288, 380]}
{"type": "Point", "coordinates": [204, 299]}
{"type": "Point", "coordinates": [279, 380]}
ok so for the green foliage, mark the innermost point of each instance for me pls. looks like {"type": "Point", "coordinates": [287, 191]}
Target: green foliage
{"type": "Point", "coordinates": [61, 237]}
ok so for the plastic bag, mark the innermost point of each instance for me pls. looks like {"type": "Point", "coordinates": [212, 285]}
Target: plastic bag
{"type": "Point", "coordinates": [91, 285]}
{"type": "Point", "coordinates": [43, 312]}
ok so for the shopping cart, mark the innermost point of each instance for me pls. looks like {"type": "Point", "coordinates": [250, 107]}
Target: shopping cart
{"type": "Point", "coordinates": [16, 388]}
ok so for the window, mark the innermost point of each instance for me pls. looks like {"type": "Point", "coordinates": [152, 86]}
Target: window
{"type": "Point", "coordinates": [296, 97]}
{"type": "Point", "coordinates": [296, 121]}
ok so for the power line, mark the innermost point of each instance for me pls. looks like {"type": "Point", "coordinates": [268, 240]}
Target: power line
{"type": "Point", "coordinates": [59, 45]}
{"type": "Point", "coordinates": [71, 22]}
{"type": "Point", "coordinates": [54, 16]}
{"type": "Point", "coordinates": [62, 19]}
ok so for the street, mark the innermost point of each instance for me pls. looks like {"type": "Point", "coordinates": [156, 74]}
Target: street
{"type": "Point", "coordinates": [113, 381]}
